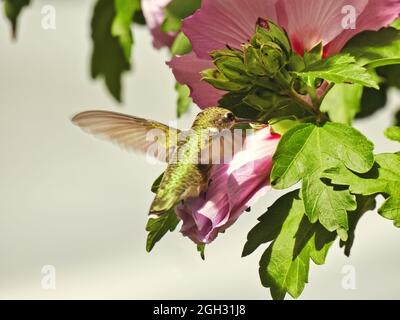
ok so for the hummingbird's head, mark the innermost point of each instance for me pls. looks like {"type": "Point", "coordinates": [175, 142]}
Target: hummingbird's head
{"type": "Point", "coordinates": [218, 118]}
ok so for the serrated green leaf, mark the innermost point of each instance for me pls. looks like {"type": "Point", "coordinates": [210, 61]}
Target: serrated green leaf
{"type": "Point", "coordinates": [12, 10]}
{"type": "Point", "coordinates": [375, 48]}
{"type": "Point", "coordinates": [307, 146]}
{"type": "Point", "coordinates": [304, 152]}
{"type": "Point", "coordinates": [384, 179]}
{"type": "Point", "coordinates": [343, 102]}
{"type": "Point", "coordinates": [157, 228]}
{"type": "Point", "coordinates": [285, 264]}
{"type": "Point", "coordinates": [338, 69]}
{"type": "Point", "coordinates": [108, 57]}
{"type": "Point", "coordinates": [183, 101]}
{"type": "Point", "coordinates": [393, 133]}
{"type": "Point", "coordinates": [121, 26]}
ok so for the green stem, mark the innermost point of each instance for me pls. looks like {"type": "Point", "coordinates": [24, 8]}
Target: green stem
{"type": "Point", "coordinates": [314, 98]}
{"type": "Point", "coordinates": [296, 97]}
{"type": "Point", "coordinates": [321, 117]}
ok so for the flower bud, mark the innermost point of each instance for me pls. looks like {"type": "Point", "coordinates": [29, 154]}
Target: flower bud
{"type": "Point", "coordinates": [218, 80]}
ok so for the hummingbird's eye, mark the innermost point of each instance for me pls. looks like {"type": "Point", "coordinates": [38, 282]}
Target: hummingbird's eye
{"type": "Point", "coordinates": [229, 117]}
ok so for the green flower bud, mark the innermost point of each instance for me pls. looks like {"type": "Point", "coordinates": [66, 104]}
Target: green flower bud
{"type": "Point", "coordinates": [233, 68]}
{"type": "Point", "coordinates": [272, 58]}
{"type": "Point", "coordinates": [267, 31]}
{"type": "Point", "coordinates": [253, 61]}
{"type": "Point", "coordinates": [218, 80]}
{"type": "Point", "coordinates": [266, 100]}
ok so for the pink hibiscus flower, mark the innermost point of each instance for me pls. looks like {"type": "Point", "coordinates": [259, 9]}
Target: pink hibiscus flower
{"type": "Point", "coordinates": [308, 22]}
{"type": "Point", "coordinates": [153, 11]}
{"type": "Point", "coordinates": [234, 188]}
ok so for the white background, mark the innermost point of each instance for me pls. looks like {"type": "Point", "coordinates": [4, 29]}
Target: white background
{"type": "Point", "coordinates": [80, 204]}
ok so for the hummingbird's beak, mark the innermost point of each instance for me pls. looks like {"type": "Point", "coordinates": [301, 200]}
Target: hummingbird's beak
{"type": "Point", "coordinates": [242, 120]}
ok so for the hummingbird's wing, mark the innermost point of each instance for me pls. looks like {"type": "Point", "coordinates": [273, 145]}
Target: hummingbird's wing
{"type": "Point", "coordinates": [132, 133]}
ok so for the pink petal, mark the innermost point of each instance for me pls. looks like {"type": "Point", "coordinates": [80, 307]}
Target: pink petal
{"type": "Point", "coordinates": [234, 187]}
{"type": "Point", "coordinates": [308, 22]}
{"type": "Point", "coordinates": [376, 15]}
{"type": "Point", "coordinates": [249, 171]}
{"type": "Point", "coordinates": [187, 70]}
{"type": "Point", "coordinates": [225, 22]}
{"type": "Point", "coordinates": [203, 216]}
{"type": "Point", "coordinates": [257, 146]}
{"type": "Point", "coordinates": [153, 11]}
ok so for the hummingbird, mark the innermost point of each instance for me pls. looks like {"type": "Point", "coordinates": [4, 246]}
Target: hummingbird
{"type": "Point", "coordinates": [183, 178]}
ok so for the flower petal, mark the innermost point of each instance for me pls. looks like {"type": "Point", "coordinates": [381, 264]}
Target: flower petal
{"type": "Point", "coordinates": [187, 70]}
{"type": "Point", "coordinates": [233, 188]}
{"type": "Point", "coordinates": [249, 171]}
{"type": "Point", "coordinates": [225, 22]}
{"type": "Point", "coordinates": [308, 22]}
{"type": "Point", "coordinates": [376, 15]}
{"type": "Point", "coordinates": [153, 11]}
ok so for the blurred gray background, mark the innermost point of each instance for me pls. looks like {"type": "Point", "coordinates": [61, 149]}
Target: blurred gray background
{"type": "Point", "coordinates": [80, 204]}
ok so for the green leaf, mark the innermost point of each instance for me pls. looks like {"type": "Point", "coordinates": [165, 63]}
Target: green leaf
{"type": "Point", "coordinates": [314, 55]}
{"type": "Point", "coordinates": [375, 48]}
{"type": "Point", "coordinates": [343, 102]}
{"type": "Point", "coordinates": [201, 249]}
{"type": "Point", "coordinates": [390, 75]}
{"type": "Point", "coordinates": [396, 24]}
{"type": "Point", "coordinates": [384, 179]}
{"type": "Point", "coordinates": [338, 69]}
{"type": "Point", "coordinates": [234, 101]}
{"type": "Point", "coordinates": [184, 101]}
{"type": "Point", "coordinates": [304, 152]}
{"type": "Point", "coordinates": [266, 100]}
{"type": "Point", "coordinates": [158, 227]}
{"type": "Point", "coordinates": [171, 23]}
{"type": "Point", "coordinates": [282, 125]}
{"type": "Point", "coordinates": [176, 11]}
{"type": "Point", "coordinates": [372, 101]}
{"type": "Point", "coordinates": [181, 45]}
{"type": "Point", "coordinates": [108, 57]}
{"type": "Point", "coordinates": [121, 26]}
{"type": "Point", "coordinates": [393, 133]}
{"type": "Point", "coordinates": [12, 10]}
{"type": "Point", "coordinates": [138, 18]}
{"type": "Point", "coordinates": [285, 264]}
{"type": "Point", "coordinates": [364, 204]}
